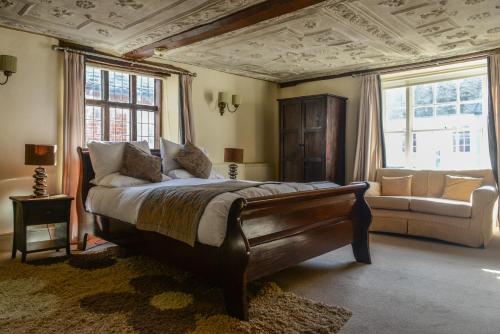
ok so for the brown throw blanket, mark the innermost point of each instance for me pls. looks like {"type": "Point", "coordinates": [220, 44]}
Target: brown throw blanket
{"type": "Point", "coordinates": [176, 211]}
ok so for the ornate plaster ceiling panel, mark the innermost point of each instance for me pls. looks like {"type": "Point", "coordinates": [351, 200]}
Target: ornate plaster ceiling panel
{"type": "Point", "coordinates": [333, 37]}
{"type": "Point", "coordinates": [339, 36]}
{"type": "Point", "coordinates": [115, 25]}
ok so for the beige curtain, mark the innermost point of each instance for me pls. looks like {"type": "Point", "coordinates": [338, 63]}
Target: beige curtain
{"type": "Point", "coordinates": [494, 111]}
{"type": "Point", "coordinates": [74, 113]}
{"type": "Point", "coordinates": [186, 103]}
{"type": "Point", "coordinates": [369, 146]}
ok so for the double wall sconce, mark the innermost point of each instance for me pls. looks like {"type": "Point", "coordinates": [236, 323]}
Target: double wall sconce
{"type": "Point", "coordinates": [8, 65]}
{"type": "Point", "coordinates": [223, 102]}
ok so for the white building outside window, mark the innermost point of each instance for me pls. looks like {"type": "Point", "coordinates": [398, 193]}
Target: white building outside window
{"type": "Point", "coordinates": [437, 118]}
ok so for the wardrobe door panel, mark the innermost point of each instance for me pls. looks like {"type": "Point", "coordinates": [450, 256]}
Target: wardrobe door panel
{"type": "Point", "coordinates": [314, 171]}
{"type": "Point", "coordinates": [314, 138]}
{"type": "Point", "coordinates": [292, 155]}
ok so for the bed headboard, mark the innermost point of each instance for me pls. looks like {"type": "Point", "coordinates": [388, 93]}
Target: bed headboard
{"type": "Point", "coordinates": [87, 172]}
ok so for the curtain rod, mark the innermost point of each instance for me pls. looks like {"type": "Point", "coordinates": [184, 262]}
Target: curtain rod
{"type": "Point", "coordinates": [169, 69]}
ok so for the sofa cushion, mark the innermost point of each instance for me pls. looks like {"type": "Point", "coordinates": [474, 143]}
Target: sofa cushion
{"type": "Point", "coordinates": [418, 183]}
{"type": "Point", "coordinates": [441, 206]}
{"type": "Point", "coordinates": [461, 188]}
{"type": "Point", "coordinates": [396, 186]}
{"type": "Point", "coordinates": [437, 179]}
{"type": "Point", "coordinates": [389, 202]}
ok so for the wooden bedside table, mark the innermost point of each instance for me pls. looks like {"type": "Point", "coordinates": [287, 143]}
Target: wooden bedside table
{"type": "Point", "coordinates": [29, 211]}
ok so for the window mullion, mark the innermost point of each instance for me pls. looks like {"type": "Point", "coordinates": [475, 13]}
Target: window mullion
{"type": "Point", "coordinates": [133, 109]}
{"type": "Point", "coordinates": [105, 95]}
{"type": "Point", "coordinates": [409, 125]}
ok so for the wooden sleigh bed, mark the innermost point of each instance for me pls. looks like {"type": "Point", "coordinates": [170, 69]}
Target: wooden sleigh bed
{"type": "Point", "coordinates": [264, 235]}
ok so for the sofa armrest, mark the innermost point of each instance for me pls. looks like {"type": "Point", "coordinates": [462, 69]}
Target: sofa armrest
{"type": "Point", "coordinates": [484, 211]}
{"type": "Point", "coordinates": [374, 190]}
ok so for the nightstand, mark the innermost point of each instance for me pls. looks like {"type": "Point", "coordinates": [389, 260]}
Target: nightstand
{"type": "Point", "coordinates": [30, 211]}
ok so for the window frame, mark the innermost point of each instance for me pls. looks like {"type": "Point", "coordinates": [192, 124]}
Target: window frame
{"type": "Point", "coordinates": [105, 104]}
{"type": "Point", "coordinates": [408, 131]}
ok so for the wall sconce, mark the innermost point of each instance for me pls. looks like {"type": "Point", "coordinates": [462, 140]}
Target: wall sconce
{"type": "Point", "coordinates": [223, 102]}
{"type": "Point", "coordinates": [8, 65]}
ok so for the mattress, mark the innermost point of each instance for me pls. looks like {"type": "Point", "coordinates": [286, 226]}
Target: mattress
{"type": "Point", "coordinates": [123, 203]}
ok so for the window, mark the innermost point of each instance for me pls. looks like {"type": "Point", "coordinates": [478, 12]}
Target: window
{"type": "Point", "coordinates": [461, 141]}
{"type": "Point", "coordinates": [121, 106]}
{"type": "Point", "coordinates": [436, 121]}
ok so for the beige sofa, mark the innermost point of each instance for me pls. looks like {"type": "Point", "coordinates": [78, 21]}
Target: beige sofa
{"type": "Point", "coordinates": [426, 214]}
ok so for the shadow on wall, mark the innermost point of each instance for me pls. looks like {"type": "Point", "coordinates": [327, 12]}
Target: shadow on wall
{"type": "Point", "coordinates": [19, 186]}
{"type": "Point", "coordinates": [209, 96]}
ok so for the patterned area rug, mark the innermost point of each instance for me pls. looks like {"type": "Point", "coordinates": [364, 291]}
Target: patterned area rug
{"type": "Point", "coordinates": [101, 293]}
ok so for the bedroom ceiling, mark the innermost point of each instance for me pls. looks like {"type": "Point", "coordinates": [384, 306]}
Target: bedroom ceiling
{"type": "Point", "coordinates": [114, 25]}
{"type": "Point", "coordinates": [341, 36]}
{"type": "Point", "coordinates": [333, 37]}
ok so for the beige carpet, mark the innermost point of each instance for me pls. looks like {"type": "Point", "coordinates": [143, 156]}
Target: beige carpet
{"type": "Point", "coordinates": [413, 286]}
{"type": "Point", "coordinates": [101, 293]}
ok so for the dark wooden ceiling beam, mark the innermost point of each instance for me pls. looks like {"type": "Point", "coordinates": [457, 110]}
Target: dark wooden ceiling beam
{"type": "Point", "coordinates": [244, 18]}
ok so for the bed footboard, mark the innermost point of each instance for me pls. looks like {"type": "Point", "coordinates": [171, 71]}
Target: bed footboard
{"type": "Point", "coordinates": [268, 234]}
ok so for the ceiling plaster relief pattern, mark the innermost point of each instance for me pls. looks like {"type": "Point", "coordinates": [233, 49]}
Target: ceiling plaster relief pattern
{"type": "Point", "coordinates": [114, 25]}
{"type": "Point", "coordinates": [333, 37]}
{"type": "Point", "coordinates": [340, 36]}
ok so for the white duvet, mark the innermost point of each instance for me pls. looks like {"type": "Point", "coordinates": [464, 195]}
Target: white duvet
{"type": "Point", "coordinates": [123, 203]}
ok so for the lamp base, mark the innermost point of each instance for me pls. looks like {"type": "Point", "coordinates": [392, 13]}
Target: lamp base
{"type": "Point", "coordinates": [233, 171]}
{"type": "Point", "coordinates": [40, 186]}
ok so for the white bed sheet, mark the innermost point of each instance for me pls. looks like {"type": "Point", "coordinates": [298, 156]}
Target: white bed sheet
{"type": "Point", "coordinates": [124, 203]}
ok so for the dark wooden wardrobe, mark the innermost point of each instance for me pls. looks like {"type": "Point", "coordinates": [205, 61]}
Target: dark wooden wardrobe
{"type": "Point", "coordinates": [312, 138]}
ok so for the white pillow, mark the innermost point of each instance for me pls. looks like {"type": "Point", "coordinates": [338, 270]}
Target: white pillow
{"type": "Point", "coordinates": [117, 180]}
{"type": "Point", "coordinates": [184, 174]}
{"type": "Point", "coordinates": [106, 157]}
{"type": "Point", "coordinates": [168, 151]}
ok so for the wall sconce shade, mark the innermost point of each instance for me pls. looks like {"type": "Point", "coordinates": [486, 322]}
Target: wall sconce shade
{"type": "Point", "coordinates": [223, 102]}
{"type": "Point", "coordinates": [40, 155]}
{"type": "Point", "coordinates": [8, 65]}
{"type": "Point", "coordinates": [236, 100]}
{"type": "Point", "coordinates": [223, 97]}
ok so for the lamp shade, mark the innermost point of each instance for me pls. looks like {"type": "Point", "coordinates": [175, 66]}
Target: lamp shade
{"type": "Point", "coordinates": [234, 155]}
{"type": "Point", "coordinates": [8, 64]}
{"type": "Point", "coordinates": [40, 155]}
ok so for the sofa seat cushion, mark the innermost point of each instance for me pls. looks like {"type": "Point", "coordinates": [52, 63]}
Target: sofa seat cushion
{"type": "Point", "coordinates": [401, 203]}
{"type": "Point", "coordinates": [441, 206]}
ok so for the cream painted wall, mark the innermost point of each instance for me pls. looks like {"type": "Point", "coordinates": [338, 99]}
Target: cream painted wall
{"type": "Point", "coordinates": [348, 87]}
{"type": "Point", "coordinates": [29, 113]}
{"type": "Point", "coordinates": [254, 127]}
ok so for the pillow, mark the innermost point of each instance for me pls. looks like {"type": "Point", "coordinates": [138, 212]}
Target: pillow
{"type": "Point", "coordinates": [194, 161]}
{"type": "Point", "coordinates": [396, 186]}
{"type": "Point", "coordinates": [460, 188]}
{"type": "Point", "coordinates": [117, 180]}
{"type": "Point", "coordinates": [168, 151]}
{"type": "Point", "coordinates": [184, 174]}
{"type": "Point", "coordinates": [139, 164]}
{"type": "Point", "coordinates": [106, 157]}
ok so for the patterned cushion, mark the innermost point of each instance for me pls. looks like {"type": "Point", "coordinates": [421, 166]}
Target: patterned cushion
{"type": "Point", "coordinates": [194, 161]}
{"type": "Point", "coordinates": [139, 164]}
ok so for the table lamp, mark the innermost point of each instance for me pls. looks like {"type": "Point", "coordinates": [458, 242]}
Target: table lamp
{"type": "Point", "coordinates": [234, 156]}
{"type": "Point", "coordinates": [40, 155]}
